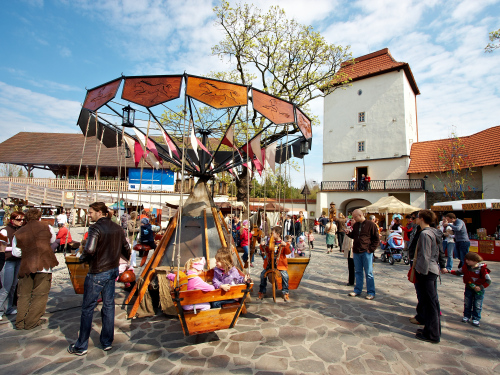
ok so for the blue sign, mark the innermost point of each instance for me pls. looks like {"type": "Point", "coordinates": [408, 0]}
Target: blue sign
{"type": "Point", "coordinates": [152, 179]}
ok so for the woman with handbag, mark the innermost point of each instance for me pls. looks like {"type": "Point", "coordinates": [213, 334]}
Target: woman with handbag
{"type": "Point", "coordinates": [428, 263]}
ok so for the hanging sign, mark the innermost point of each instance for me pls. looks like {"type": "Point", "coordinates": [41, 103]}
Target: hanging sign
{"type": "Point", "coordinates": [100, 95]}
{"type": "Point", "coordinates": [441, 208]}
{"type": "Point", "coordinates": [495, 205]}
{"type": "Point", "coordinates": [276, 110]}
{"type": "Point", "coordinates": [149, 91]}
{"type": "Point", "coordinates": [473, 206]}
{"type": "Point", "coordinates": [217, 94]}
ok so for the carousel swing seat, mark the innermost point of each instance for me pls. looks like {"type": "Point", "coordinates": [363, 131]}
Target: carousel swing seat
{"type": "Point", "coordinates": [195, 322]}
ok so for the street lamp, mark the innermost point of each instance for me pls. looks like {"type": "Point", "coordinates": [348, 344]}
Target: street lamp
{"type": "Point", "coordinates": [304, 147]}
{"type": "Point", "coordinates": [128, 117]}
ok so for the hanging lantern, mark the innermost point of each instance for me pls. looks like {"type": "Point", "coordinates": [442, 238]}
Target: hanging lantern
{"type": "Point", "coordinates": [128, 117]}
{"type": "Point", "coordinates": [304, 147]}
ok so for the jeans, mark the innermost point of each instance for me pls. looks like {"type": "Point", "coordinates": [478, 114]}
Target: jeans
{"type": "Point", "coordinates": [245, 253]}
{"type": "Point", "coordinates": [364, 261]}
{"type": "Point", "coordinates": [98, 283]}
{"type": "Point", "coordinates": [449, 261]}
{"type": "Point", "coordinates": [340, 238]}
{"type": "Point", "coordinates": [284, 281]}
{"type": "Point", "coordinates": [350, 266]}
{"type": "Point", "coordinates": [473, 304]}
{"type": "Point", "coordinates": [462, 249]}
{"type": "Point", "coordinates": [9, 283]}
{"type": "Point", "coordinates": [429, 302]}
{"type": "Point", "coordinates": [218, 304]}
{"type": "Point", "coordinates": [322, 229]}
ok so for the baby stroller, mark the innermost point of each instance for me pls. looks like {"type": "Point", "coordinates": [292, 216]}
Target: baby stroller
{"type": "Point", "coordinates": [393, 249]}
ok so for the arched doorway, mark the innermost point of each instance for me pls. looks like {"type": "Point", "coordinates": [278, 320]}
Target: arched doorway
{"type": "Point", "coordinates": [350, 205]}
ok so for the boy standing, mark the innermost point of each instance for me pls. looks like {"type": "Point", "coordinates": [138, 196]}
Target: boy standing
{"type": "Point", "coordinates": [280, 263]}
{"type": "Point", "coordinates": [476, 278]}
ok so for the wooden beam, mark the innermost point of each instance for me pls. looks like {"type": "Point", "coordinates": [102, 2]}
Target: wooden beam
{"type": "Point", "coordinates": [219, 228]}
{"type": "Point", "coordinates": [153, 264]}
{"type": "Point", "coordinates": [207, 250]}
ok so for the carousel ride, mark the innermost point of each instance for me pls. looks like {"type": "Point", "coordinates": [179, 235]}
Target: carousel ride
{"type": "Point", "coordinates": [203, 128]}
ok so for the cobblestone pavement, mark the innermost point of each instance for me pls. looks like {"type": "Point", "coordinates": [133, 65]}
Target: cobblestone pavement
{"type": "Point", "coordinates": [321, 330]}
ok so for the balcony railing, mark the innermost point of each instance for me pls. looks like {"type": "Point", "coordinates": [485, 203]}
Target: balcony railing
{"type": "Point", "coordinates": [375, 185]}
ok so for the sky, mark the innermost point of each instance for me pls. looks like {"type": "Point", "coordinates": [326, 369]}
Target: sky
{"type": "Point", "coordinates": [52, 50]}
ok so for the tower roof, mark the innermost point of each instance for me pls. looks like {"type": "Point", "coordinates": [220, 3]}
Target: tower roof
{"type": "Point", "coordinates": [371, 65]}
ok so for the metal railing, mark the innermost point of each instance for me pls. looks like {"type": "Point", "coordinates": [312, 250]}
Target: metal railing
{"type": "Point", "coordinates": [375, 185]}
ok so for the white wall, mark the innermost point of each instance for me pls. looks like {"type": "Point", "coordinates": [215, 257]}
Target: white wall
{"type": "Point", "coordinates": [386, 169]}
{"type": "Point", "coordinates": [410, 115]}
{"type": "Point", "coordinates": [389, 109]}
{"type": "Point", "coordinates": [491, 182]}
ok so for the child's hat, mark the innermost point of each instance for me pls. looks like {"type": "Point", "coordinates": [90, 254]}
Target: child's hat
{"type": "Point", "coordinates": [200, 264]}
{"type": "Point", "coordinates": [245, 222]}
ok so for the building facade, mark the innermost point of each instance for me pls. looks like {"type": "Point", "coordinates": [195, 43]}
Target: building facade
{"type": "Point", "coordinates": [369, 127]}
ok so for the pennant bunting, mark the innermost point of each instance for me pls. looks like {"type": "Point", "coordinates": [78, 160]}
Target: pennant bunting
{"type": "Point", "coordinates": [194, 140]}
{"type": "Point", "coordinates": [203, 147]}
{"type": "Point", "coordinates": [255, 145]}
{"type": "Point", "coordinates": [170, 144]}
{"type": "Point", "coordinates": [150, 147]}
{"type": "Point", "coordinates": [271, 156]}
{"type": "Point", "coordinates": [130, 143]}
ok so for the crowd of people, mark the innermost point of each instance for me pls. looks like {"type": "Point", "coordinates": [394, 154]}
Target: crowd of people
{"type": "Point", "coordinates": [28, 258]}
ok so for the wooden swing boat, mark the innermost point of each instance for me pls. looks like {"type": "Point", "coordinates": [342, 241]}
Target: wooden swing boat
{"type": "Point", "coordinates": [77, 272]}
{"type": "Point", "coordinates": [194, 323]}
{"type": "Point", "coordinates": [208, 320]}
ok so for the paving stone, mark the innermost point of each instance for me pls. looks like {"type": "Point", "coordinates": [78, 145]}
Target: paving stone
{"type": "Point", "coordinates": [306, 365]}
{"type": "Point", "coordinates": [161, 366]}
{"type": "Point", "coordinates": [248, 336]}
{"type": "Point", "coordinates": [355, 367]}
{"type": "Point", "coordinates": [352, 353]}
{"type": "Point", "coordinates": [269, 363]}
{"type": "Point", "coordinates": [92, 369]}
{"type": "Point", "coordinates": [218, 361]}
{"type": "Point", "coordinates": [188, 361]}
{"type": "Point", "coordinates": [293, 335]}
{"type": "Point", "coordinates": [328, 349]}
{"type": "Point", "coordinates": [336, 370]}
{"type": "Point", "coordinates": [239, 361]}
{"type": "Point", "coordinates": [376, 365]}
{"type": "Point", "coordinates": [136, 369]}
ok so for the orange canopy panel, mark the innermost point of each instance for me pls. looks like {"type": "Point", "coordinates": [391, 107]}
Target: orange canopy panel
{"type": "Point", "coordinates": [276, 110]}
{"type": "Point", "coordinates": [304, 124]}
{"type": "Point", "coordinates": [100, 95]}
{"type": "Point", "coordinates": [149, 91]}
{"type": "Point", "coordinates": [215, 93]}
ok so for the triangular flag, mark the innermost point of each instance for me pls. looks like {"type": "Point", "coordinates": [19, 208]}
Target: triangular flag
{"type": "Point", "coordinates": [255, 145]}
{"type": "Point", "coordinates": [258, 166]}
{"type": "Point", "coordinates": [139, 151]}
{"type": "Point", "coordinates": [130, 143]}
{"type": "Point", "coordinates": [170, 144]}
{"type": "Point", "coordinates": [228, 137]}
{"type": "Point", "coordinates": [203, 147]}
{"type": "Point", "coordinates": [194, 141]}
{"type": "Point", "coordinates": [271, 156]}
{"type": "Point", "coordinates": [249, 169]}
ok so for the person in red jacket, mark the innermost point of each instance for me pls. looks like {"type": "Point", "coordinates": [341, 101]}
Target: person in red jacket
{"type": "Point", "coordinates": [476, 278]}
{"type": "Point", "coordinates": [62, 237]}
{"type": "Point", "coordinates": [245, 236]}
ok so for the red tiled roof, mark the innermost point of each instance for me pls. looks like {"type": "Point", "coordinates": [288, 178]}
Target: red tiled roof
{"type": "Point", "coordinates": [480, 149]}
{"type": "Point", "coordinates": [373, 64]}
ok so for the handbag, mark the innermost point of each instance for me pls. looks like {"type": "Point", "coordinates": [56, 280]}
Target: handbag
{"type": "Point", "coordinates": [412, 276]}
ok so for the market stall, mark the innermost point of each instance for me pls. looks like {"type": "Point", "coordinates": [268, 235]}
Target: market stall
{"type": "Point", "coordinates": [481, 217]}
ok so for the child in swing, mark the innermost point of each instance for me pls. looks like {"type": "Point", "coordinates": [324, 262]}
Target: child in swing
{"type": "Point", "coordinates": [193, 268]}
{"type": "Point", "coordinates": [280, 263]}
{"type": "Point", "coordinates": [225, 274]}
{"type": "Point", "coordinates": [301, 246]}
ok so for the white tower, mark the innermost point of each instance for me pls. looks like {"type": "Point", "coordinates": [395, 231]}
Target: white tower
{"type": "Point", "coordinates": [369, 127]}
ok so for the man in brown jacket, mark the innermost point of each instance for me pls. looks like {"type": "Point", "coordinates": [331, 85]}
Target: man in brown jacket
{"type": "Point", "coordinates": [32, 244]}
{"type": "Point", "coordinates": [365, 238]}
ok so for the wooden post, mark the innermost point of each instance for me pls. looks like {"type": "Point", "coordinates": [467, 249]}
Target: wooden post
{"type": "Point", "coordinates": [207, 250]}
{"type": "Point", "coordinates": [67, 172]}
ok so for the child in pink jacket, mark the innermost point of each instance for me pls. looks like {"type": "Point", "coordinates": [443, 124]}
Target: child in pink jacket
{"type": "Point", "coordinates": [193, 268]}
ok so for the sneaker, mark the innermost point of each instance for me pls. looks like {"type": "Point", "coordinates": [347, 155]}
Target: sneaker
{"type": "Point", "coordinates": [13, 312]}
{"type": "Point", "coordinates": [370, 296]}
{"type": "Point", "coordinates": [261, 295]}
{"type": "Point", "coordinates": [286, 298]}
{"type": "Point", "coordinates": [475, 323]}
{"type": "Point", "coordinates": [1, 317]}
{"type": "Point", "coordinates": [353, 294]}
{"type": "Point", "coordinates": [465, 320]}
{"type": "Point", "coordinates": [72, 350]}
{"type": "Point", "coordinates": [107, 348]}
{"type": "Point", "coordinates": [415, 321]}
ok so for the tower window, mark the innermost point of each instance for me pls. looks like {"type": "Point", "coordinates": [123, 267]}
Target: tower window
{"type": "Point", "coordinates": [361, 117]}
{"type": "Point", "coordinates": [361, 146]}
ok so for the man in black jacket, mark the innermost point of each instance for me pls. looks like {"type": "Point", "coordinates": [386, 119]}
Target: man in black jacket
{"type": "Point", "coordinates": [105, 244]}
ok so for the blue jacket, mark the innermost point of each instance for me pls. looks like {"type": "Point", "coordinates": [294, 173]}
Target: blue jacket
{"type": "Point", "coordinates": [147, 234]}
{"type": "Point", "coordinates": [460, 231]}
